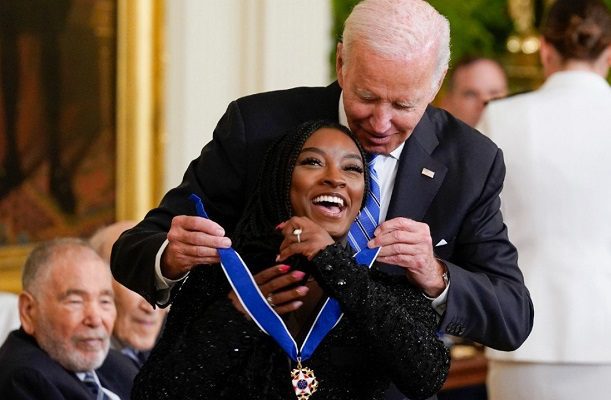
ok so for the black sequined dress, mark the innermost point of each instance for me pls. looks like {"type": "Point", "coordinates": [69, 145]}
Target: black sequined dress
{"type": "Point", "coordinates": [209, 350]}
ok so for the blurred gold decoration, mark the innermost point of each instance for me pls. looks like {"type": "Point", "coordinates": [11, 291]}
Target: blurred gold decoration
{"type": "Point", "coordinates": [522, 60]}
{"type": "Point", "coordinates": [525, 39]}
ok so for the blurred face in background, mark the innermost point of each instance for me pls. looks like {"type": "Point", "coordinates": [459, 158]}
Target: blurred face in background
{"type": "Point", "coordinates": [473, 86]}
{"type": "Point", "coordinates": [138, 323]}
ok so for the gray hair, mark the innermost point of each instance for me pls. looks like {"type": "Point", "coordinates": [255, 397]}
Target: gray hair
{"type": "Point", "coordinates": [42, 257]}
{"type": "Point", "coordinates": [400, 29]}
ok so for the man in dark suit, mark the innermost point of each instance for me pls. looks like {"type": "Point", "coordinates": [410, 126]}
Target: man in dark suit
{"type": "Point", "coordinates": [440, 179]}
{"type": "Point", "coordinates": [67, 313]}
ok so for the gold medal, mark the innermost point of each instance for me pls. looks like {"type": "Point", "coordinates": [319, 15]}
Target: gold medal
{"type": "Point", "coordinates": [304, 381]}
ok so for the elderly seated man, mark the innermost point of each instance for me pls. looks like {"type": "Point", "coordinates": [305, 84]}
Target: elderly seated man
{"type": "Point", "coordinates": [67, 312]}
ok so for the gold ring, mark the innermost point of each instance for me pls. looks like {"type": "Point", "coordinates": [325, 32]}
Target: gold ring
{"type": "Point", "coordinates": [297, 232]}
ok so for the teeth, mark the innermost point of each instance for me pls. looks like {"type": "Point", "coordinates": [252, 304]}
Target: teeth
{"type": "Point", "coordinates": [329, 199]}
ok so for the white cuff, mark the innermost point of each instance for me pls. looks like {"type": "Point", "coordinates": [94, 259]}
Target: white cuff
{"type": "Point", "coordinates": [439, 303]}
{"type": "Point", "coordinates": [163, 285]}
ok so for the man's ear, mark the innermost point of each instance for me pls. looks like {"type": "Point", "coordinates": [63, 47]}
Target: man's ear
{"type": "Point", "coordinates": [27, 310]}
{"type": "Point", "coordinates": [339, 64]}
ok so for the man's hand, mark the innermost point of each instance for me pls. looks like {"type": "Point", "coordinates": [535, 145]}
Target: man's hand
{"type": "Point", "coordinates": [408, 244]}
{"type": "Point", "coordinates": [192, 241]}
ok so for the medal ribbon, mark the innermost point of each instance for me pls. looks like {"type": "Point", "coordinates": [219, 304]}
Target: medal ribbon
{"type": "Point", "coordinates": [263, 314]}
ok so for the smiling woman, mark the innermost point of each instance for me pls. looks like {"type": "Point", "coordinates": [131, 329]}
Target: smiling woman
{"type": "Point", "coordinates": [328, 181]}
{"type": "Point", "coordinates": [310, 189]}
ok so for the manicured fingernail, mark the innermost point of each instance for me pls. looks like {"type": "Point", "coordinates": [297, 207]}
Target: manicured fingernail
{"type": "Point", "coordinates": [302, 290]}
{"type": "Point", "coordinates": [284, 268]}
{"type": "Point", "coordinates": [298, 274]}
{"type": "Point", "coordinates": [279, 225]}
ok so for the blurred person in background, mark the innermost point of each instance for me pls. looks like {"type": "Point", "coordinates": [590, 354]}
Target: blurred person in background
{"type": "Point", "coordinates": [472, 83]}
{"type": "Point", "coordinates": [138, 324]}
{"type": "Point", "coordinates": [9, 314]}
{"type": "Point", "coordinates": [556, 142]}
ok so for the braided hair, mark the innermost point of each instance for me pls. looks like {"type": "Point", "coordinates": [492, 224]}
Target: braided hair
{"type": "Point", "coordinates": [255, 236]}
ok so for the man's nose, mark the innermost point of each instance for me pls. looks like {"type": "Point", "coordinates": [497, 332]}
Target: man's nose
{"type": "Point", "coordinates": [380, 119]}
{"type": "Point", "coordinates": [93, 314]}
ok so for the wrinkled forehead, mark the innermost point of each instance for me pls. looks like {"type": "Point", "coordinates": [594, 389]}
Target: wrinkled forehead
{"type": "Point", "coordinates": [78, 270]}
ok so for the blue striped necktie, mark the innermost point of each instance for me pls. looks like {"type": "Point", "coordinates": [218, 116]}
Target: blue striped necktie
{"type": "Point", "coordinates": [366, 222]}
{"type": "Point", "coordinates": [92, 384]}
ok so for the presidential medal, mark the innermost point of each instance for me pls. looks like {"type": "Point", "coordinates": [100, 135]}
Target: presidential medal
{"type": "Point", "coordinates": [304, 381]}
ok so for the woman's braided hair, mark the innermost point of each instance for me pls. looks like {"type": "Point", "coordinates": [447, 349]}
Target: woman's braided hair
{"type": "Point", "coordinates": [255, 236]}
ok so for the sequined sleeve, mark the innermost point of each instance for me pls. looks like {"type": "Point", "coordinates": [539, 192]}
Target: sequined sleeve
{"type": "Point", "coordinates": [393, 315]}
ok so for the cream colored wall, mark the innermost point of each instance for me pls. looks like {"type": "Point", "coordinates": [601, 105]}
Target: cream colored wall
{"type": "Point", "coordinates": [218, 50]}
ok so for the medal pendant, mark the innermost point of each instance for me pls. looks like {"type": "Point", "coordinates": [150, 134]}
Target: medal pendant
{"type": "Point", "coordinates": [304, 382]}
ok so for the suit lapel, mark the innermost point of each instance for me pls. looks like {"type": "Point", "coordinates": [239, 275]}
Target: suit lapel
{"type": "Point", "coordinates": [414, 188]}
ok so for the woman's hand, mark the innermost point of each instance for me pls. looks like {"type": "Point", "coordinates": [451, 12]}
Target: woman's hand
{"type": "Point", "coordinates": [302, 236]}
{"type": "Point", "coordinates": [273, 283]}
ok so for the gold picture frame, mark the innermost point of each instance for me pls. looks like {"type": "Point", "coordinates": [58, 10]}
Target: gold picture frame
{"type": "Point", "coordinates": [139, 121]}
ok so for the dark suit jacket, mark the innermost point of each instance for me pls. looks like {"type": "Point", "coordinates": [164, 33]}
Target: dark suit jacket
{"type": "Point", "coordinates": [487, 300]}
{"type": "Point", "coordinates": [27, 372]}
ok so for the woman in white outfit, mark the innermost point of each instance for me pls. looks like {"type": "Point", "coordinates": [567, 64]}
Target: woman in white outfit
{"type": "Point", "coordinates": [556, 203]}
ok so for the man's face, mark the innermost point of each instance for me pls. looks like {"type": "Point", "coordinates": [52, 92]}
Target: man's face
{"type": "Point", "coordinates": [328, 181]}
{"type": "Point", "coordinates": [73, 317]}
{"type": "Point", "coordinates": [138, 323]}
{"type": "Point", "coordinates": [384, 99]}
{"type": "Point", "coordinates": [474, 86]}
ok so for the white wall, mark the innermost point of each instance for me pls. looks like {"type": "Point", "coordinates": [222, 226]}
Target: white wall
{"type": "Point", "coordinates": [218, 50]}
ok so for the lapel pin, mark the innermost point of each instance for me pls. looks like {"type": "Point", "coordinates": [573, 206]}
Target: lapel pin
{"type": "Point", "coordinates": [428, 172]}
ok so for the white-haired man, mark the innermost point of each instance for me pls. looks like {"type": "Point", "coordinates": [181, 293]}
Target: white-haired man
{"type": "Point", "coordinates": [67, 312]}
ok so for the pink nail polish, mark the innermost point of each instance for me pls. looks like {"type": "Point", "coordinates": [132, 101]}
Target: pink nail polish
{"type": "Point", "coordinates": [298, 274]}
{"type": "Point", "coordinates": [284, 268]}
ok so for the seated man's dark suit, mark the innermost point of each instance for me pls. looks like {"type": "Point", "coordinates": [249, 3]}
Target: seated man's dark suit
{"type": "Point", "coordinates": [27, 372]}
{"type": "Point", "coordinates": [487, 300]}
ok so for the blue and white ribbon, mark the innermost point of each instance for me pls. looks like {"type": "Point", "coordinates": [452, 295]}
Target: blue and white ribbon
{"type": "Point", "coordinates": [264, 315]}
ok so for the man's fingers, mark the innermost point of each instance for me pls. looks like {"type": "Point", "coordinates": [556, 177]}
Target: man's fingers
{"type": "Point", "coordinates": [197, 231]}
{"type": "Point", "coordinates": [198, 224]}
{"type": "Point", "coordinates": [400, 223]}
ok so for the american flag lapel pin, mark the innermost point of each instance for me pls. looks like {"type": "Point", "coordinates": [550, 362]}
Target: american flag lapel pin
{"type": "Point", "coordinates": [428, 172]}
